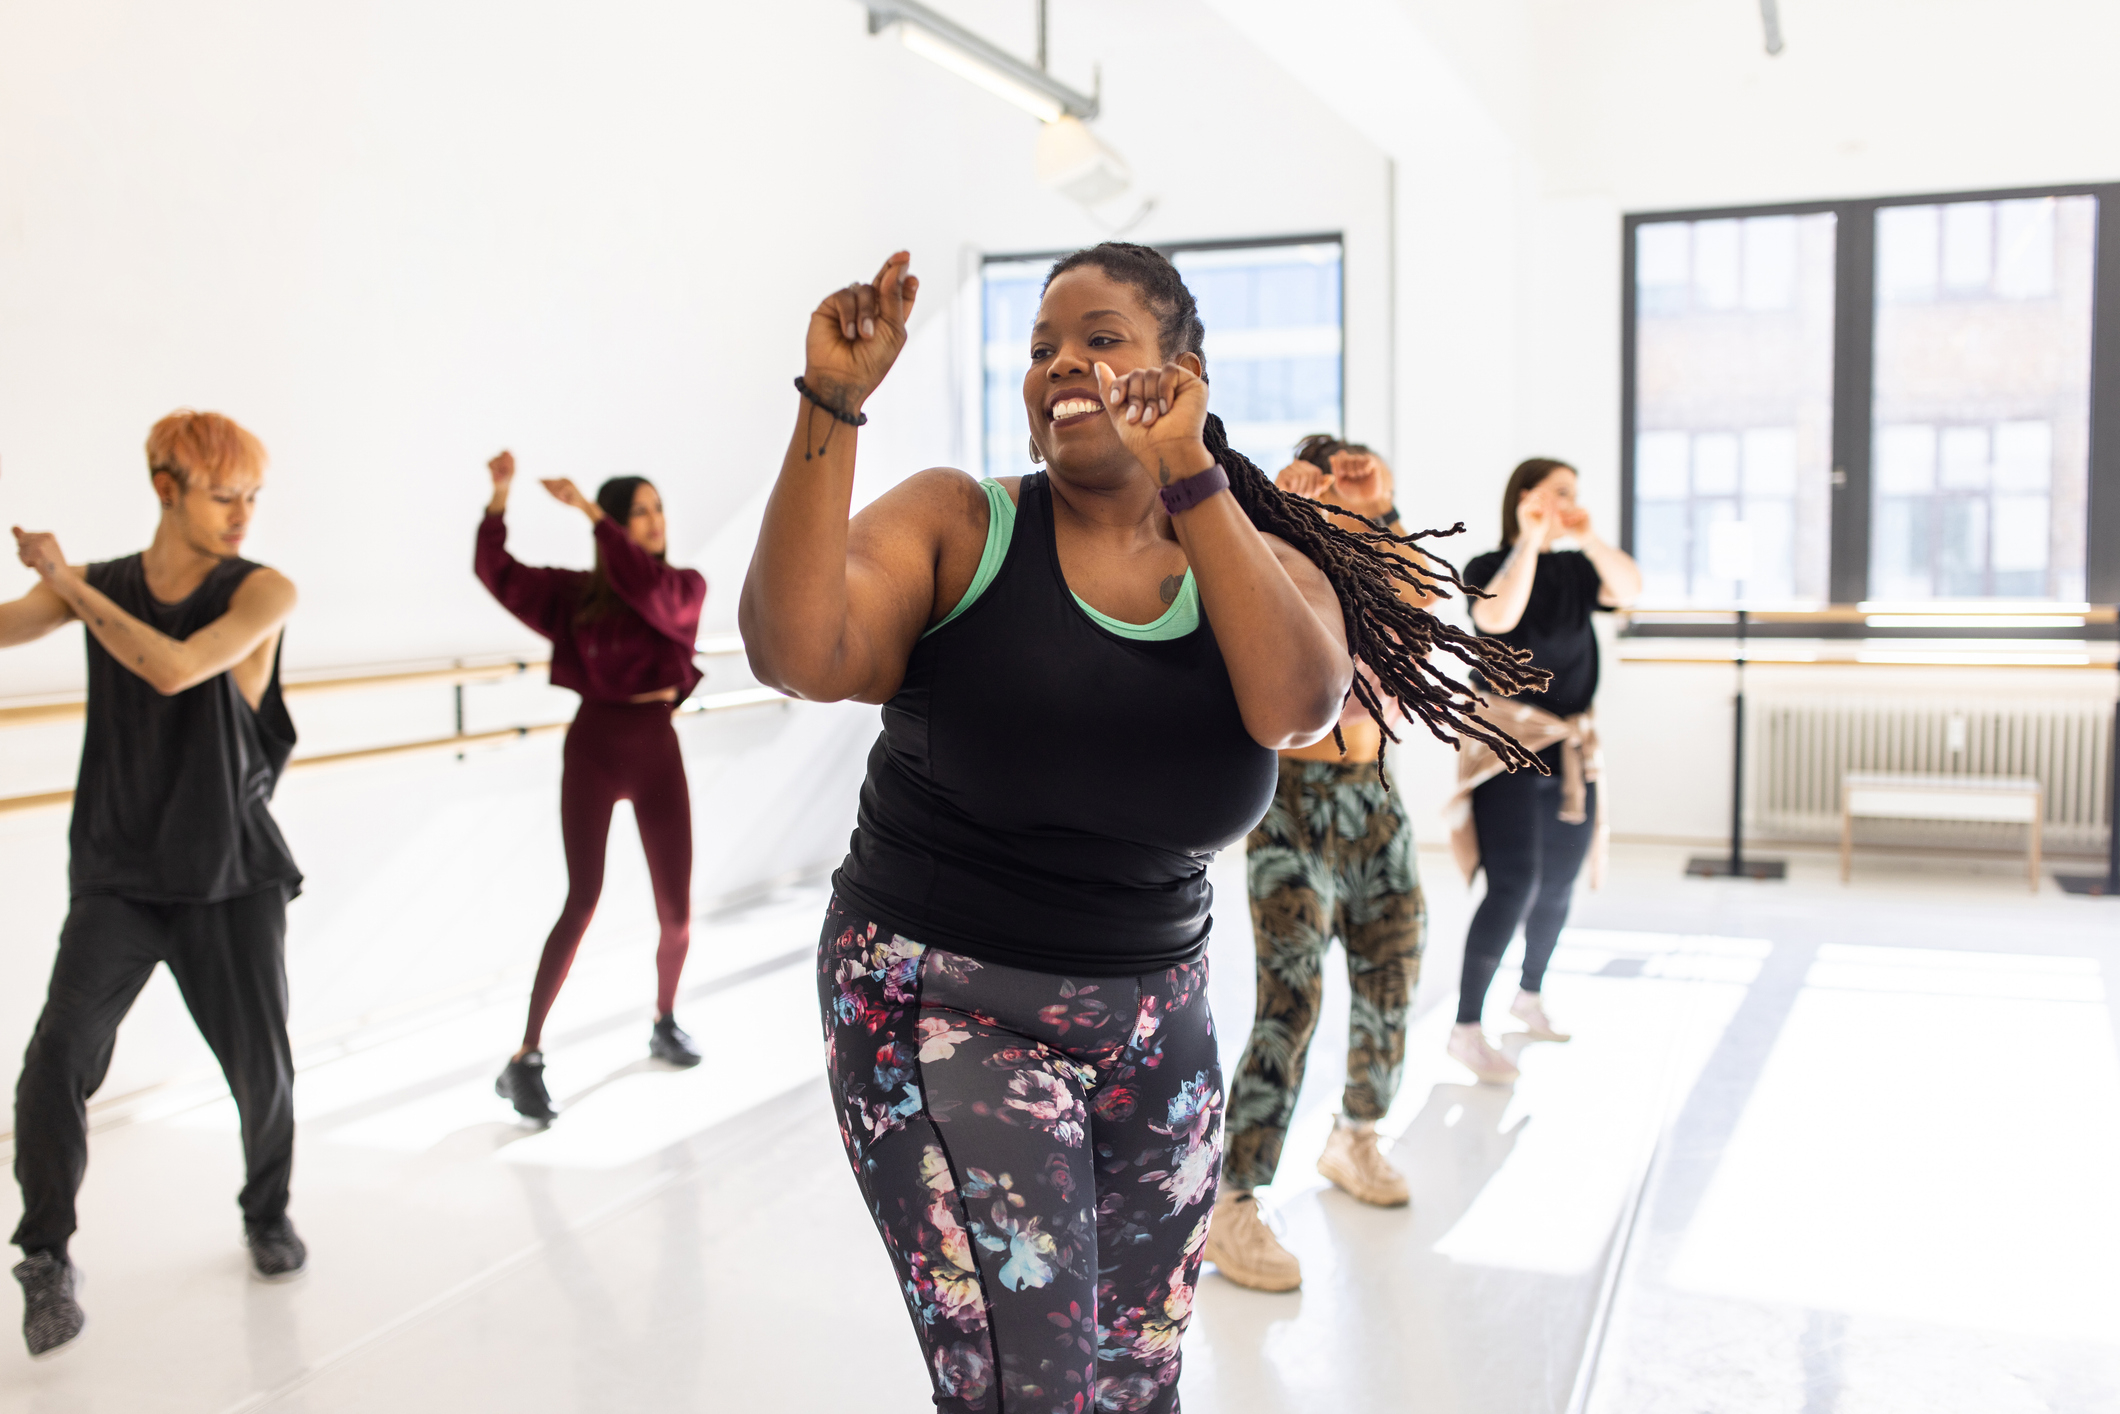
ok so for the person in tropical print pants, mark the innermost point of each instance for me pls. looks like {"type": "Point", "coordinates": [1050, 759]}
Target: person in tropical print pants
{"type": "Point", "coordinates": [1333, 858]}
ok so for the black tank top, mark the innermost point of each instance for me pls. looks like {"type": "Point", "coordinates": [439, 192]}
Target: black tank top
{"type": "Point", "coordinates": [1047, 794]}
{"type": "Point", "coordinates": [171, 805]}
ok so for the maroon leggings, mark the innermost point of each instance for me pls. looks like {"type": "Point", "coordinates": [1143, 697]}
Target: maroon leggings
{"type": "Point", "coordinates": [614, 752]}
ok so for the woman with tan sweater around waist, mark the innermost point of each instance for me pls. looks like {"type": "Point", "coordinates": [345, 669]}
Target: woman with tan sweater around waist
{"type": "Point", "coordinates": [1531, 832]}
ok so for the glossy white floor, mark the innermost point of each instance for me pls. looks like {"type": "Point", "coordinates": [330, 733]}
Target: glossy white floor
{"type": "Point", "coordinates": [1880, 1129]}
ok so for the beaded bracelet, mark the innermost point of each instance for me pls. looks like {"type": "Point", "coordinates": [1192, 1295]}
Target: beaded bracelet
{"type": "Point", "coordinates": [851, 419]}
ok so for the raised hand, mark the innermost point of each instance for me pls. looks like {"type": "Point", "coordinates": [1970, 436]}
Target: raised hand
{"type": "Point", "coordinates": [857, 333]}
{"type": "Point", "coordinates": [1301, 478]}
{"type": "Point", "coordinates": [567, 493]}
{"type": "Point", "coordinates": [1362, 483]}
{"type": "Point", "coordinates": [502, 469]}
{"type": "Point", "coordinates": [1575, 521]}
{"type": "Point", "coordinates": [39, 549]}
{"type": "Point", "coordinates": [1536, 522]}
{"type": "Point", "coordinates": [1160, 415]}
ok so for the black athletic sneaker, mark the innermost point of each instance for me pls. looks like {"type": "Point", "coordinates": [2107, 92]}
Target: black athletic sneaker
{"type": "Point", "coordinates": [276, 1254]}
{"type": "Point", "coordinates": [668, 1043]}
{"type": "Point", "coordinates": [50, 1315]}
{"type": "Point", "coordinates": [522, 1084]}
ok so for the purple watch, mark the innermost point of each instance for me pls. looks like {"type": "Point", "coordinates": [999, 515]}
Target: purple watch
{"type": "Point", "coordinates": [1190, 491]}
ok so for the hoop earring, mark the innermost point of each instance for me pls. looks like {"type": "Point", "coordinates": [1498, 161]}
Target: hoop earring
{"type": "Point", "coordinates": [1037, 456]}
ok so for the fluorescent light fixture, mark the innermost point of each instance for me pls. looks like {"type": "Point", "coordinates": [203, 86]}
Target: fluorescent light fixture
{"type": "Point", "coordinates": [1043, 107]}
{"type": "Point", "coordinates": [994, 69]}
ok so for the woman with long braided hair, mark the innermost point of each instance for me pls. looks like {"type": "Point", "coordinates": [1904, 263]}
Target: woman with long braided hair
{"type": "Point", "coordinates": [1085, 674]}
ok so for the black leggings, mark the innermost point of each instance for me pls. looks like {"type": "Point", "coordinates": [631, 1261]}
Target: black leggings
{"type": "Point", "coordinates": [1531, 860]}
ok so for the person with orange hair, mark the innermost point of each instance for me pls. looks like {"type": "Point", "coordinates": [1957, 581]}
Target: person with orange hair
{"type": "Point", "coordinates": [175, 856]}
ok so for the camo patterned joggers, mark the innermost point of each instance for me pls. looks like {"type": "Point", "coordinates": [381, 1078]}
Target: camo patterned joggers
{"type": "Point", "coordinates": [1333, 858]}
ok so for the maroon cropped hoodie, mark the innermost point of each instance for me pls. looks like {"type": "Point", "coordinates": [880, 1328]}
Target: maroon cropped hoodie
{"type": "Point", "coordinates": [619, 656]}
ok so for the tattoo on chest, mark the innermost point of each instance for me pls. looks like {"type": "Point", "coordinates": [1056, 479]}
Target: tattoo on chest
{"type": "Point", "coordinates": [1169, 588]}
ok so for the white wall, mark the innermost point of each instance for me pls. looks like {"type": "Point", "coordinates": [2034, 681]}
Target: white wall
{"type": "Point", "coordinates": [1524, 129]}
{"type": "Point", "coordinates": [393, 237]}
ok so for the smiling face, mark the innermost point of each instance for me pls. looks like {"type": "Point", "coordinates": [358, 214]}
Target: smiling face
{"type": "Point", "coordinates": [1086, 318]}
{"type": "Point", "coordinates": [210, 514]}
{"type": "Point", "coordinates": [645, 525]}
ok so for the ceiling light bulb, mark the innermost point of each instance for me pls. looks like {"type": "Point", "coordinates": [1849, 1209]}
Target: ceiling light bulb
{"type": "Point", "coordinates": [1071, 161]}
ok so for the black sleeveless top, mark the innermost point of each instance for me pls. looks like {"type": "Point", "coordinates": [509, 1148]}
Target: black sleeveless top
{"type": "Point", "coordinates": [1555, 626]}
{"type": "Point", "coordinates": [171, 802]}
{"type": "Point", "coordinates": [1047, 794]}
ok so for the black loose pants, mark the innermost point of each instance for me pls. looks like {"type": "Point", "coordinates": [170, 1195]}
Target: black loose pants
{"type": "Point", "coordinates": [229, 960]}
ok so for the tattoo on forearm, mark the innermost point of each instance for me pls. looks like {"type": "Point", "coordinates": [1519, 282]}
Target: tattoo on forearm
{"type": "Point", "coordinates": [1170, 587]}
{"type": "Point", "coordinates": [1163, 477]}
{"type": "Point", "coordinates": [1515, 552]}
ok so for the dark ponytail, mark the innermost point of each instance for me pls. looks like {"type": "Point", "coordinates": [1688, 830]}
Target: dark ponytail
{"type": "Point", "coordinates": [1390, 637]}
{"type": "Point", "coordinates": [599, 599]}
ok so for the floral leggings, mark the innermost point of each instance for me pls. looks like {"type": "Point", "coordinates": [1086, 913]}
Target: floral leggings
{"type": "Point", "coordinates": [1039, 1154]}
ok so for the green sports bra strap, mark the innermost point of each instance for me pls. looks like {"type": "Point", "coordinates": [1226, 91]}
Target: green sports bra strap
{"type": "Point", "coordinates": [1000, 529]}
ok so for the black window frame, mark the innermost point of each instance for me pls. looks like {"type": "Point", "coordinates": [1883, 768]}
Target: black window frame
{"type": "Point", "coordinates": [1170, 250]}
{"type": "Point", "coordinates": [1854, 361]}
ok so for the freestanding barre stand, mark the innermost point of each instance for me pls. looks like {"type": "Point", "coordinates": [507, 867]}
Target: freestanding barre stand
{"type": "Point", "coordinates": [1736, 866]}
{"type": "Point", "coordinates": [2108, 885]}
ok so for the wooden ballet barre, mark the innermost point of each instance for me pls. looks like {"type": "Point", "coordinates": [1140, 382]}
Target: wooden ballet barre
{"type": "Point", "coordinates": [67, 708]}
{"type": "Point", "coordinates": [1863, 613]}
{"type": "Point", "coordinates": [713, 702]}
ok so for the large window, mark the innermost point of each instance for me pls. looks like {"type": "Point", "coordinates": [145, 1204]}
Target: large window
{"type": "Point", "coordinates": [1881, 401]}
{"type": "Point", "coordinates": [1272, 310]}
{"type": "Point", "coordinates": [1734, 399]}
{"type": "Point", "coordinates": [1981, 399]}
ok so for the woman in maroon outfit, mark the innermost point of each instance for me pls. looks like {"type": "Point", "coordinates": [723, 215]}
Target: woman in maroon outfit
{"type": "Point", "coordinates": [622, 636]}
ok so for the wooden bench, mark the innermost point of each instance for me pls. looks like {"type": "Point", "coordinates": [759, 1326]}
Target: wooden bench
{"type": "Point", "coordinates": [2012, 800]}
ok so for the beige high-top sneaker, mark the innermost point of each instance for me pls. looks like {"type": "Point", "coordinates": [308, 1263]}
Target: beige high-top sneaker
{"type": "Point", "coordinates": [1353, 1161]}
{"type": "Point", "coordinates": [1468, 1047]}
{"type": "Point", "coordinates": [1244, 1249]}
{"type": "Point", "coordinates": [1530, 1008]}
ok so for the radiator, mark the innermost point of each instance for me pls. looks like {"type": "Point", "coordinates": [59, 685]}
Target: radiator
{"type": "Point", "coordinates": [1800, 746]}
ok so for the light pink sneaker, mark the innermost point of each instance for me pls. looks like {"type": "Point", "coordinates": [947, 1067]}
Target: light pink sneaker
{"type": "Point", "coordinates": [1530, 1009]}
{"type": "Point", "coordinates": [1468, 1047]}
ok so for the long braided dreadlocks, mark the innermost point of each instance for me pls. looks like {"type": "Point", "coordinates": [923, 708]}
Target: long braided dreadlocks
{"type": "Point", "coordinates": [1391, 637]}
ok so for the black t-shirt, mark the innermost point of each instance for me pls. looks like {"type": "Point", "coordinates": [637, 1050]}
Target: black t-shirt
{"type": "Point", "coordinates": [1555, 626]}
{"type": "Point", "coordinates": [1047, 794]}
{"type": "Point", "coordinates": [172, 801]}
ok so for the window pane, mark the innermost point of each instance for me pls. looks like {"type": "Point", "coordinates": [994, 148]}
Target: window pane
{"type": "Point", "coordinates": [1273, 342]}
{"type": "Point", "coordinates": [1733, 408]}
{"type": "Point", "coordinates": [1980, 452]}
{"type": "Point", "coordinates": [1010, 307]}
{"type": "Point", "coordinates": [1273, 347]}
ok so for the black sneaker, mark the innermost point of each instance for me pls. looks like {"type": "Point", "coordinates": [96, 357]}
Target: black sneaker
{"type": "Point", "coordinates": [276, 1254]}
{"type": "Point", "coordinates": [522, 1084]}
{"type": "Point", "coordinates": [668, 1043]}
{"type": "Point", "coordinates": [51, 1316]}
